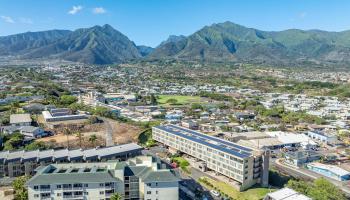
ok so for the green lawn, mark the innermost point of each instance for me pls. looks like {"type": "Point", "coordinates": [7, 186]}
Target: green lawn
{"type": "Point", "coordinates": [183, 163]}
{"type": "Point", "coordinates": [250, 194]}
{"type": "Point", "coordinates": [180, 100]}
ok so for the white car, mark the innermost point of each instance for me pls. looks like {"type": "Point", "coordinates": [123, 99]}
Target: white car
{"type": "Point", "coordinates": [215, 193]}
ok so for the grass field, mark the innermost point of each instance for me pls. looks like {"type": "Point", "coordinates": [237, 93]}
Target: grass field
{"type": "Point", "coordinates": [250, 194]}
{"type": "Point", "coordinates": [180, 100]}
{"type": "Point", "coordinates": [183, 163]}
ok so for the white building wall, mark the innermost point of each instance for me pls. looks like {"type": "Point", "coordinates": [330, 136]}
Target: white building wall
{"type": "Point", "coordinates": [161, 190]}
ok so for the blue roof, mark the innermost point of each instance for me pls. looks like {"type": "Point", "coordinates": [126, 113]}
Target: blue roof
{"type": "Point", "coordinates": [221, 145]}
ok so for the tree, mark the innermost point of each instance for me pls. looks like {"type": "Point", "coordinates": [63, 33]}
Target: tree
{"type": "Point", "coordinates": [325, 190]}
{"type": "Point", "coordinates": [299, 186]}
{"type": "Point", "coordinates": [66, 100]}
{"type": "Point", "coordinates": [93, 119]}
{"type": "Point", "coordinates": [320, 189]}
{"type": "Point", "coordinates": [93, 139]}
{"type": "Point", "coordinates": [79, 135]}
{"type": "Point", "coordinates": [172, 101]}
{"type": "Point", "coordinates": [21, 192]}
{"type": "Point", "coordinates": [36, 145]}
{"type": "Point", "coordinates": [67, 132]}
{"type": "Point", "coordinates": [153, 99]}
{"type": "Point", "coordinates": [116, 196]}
{"type": "Point", "coordinates": [14, 141]}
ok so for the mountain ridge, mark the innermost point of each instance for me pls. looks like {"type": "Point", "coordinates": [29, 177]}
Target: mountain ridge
{"type": "Point", "coordinates": [219, 42]}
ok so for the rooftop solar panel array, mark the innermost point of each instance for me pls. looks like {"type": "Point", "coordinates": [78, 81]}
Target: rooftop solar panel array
{"type": "Point", "coordinates": [213, 142]}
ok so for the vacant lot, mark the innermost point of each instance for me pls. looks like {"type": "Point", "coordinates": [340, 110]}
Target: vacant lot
{"type": "Point", "coordinates": [250, 194]}
{"type": "Point", "coordinates": [121, 133]}
{"type": "Point", "coordinates": [124, 133]}
{"type": "Point", "coordinates": [180, 100]}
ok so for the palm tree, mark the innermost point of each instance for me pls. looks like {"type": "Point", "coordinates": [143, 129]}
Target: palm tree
{"type": "Point", "coordinates": [116, 196]}
{"type": "Point", "coordinates": [79, 135]}
{"type": "Point", "coordinates": [67, 132]}
{"type": "Point", "coordinates": [93, 139]}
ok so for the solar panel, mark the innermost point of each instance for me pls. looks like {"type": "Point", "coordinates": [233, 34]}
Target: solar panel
{"type": "Point", "coordinates": [199, 138]}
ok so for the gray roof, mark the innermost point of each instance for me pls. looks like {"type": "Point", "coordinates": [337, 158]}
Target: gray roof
{"type": "Point", "coordinates": [52, 154]}
{"type": "Point", "coordinates": [135, 170]}
{"type": "Point", "coordinates": [20, 118]}
{"type": "Point", "coordinates": [159, 176]}
{"type": "Point", "coordinates": [29, 128]}
{"type": "Point", "coordinates": [43, 177]}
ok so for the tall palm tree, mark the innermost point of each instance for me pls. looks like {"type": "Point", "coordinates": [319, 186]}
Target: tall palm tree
{"type": "Point", "coordinates": [93, 139]}
{"type": "Point", "coordinates": [67, 132]}
{"type": "Point", "coordinates": [116, 196]}
{"type": "Point", "coordinates": [80, 136]}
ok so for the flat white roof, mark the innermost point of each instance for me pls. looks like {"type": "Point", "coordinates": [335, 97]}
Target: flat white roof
{"type": "Point", "coordinates": [290, 138]}
{"type": "Point", "coordinates": [287, 194]}
{"type": "Point", "coordinates": [334, 169]}
{"type": "Point", "coordinates": [20, 118]}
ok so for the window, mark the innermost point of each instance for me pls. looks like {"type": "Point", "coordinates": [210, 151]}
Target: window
{"type": "Point", "coordinates": [102, 192]}
{"type": "Point", "coordinates": [149, 192]}
{"type": "Point", "coordinates": [58, 186]}
{"type": "Point", "coordinates": [148, 184]}
{"type": "Point", "coordinates": [86, 185]}
{"type": "Point", "coordinates": [86, 193]}
{"type": "Point", "coordinates": [156, 184]}
{"type": "Point", "coordinates": [156, 192]}
{"type": "Point", "coordinates": [101, 184]}
{"type": "Point", "coordinates": [36, 196]}
{"type": "Point", "coordinates": [59, 194]}
{"type": "Point", "coordinates": [36, 187]}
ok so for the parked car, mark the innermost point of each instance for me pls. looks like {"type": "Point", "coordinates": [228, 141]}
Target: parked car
{"type": "Point", "coordinates": [215, 193]}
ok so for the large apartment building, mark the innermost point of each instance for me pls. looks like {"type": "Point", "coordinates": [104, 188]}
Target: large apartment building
{"type": "Point", "coordinates": [137, 178]}
{"type": "Point", "coordinates": [18, 163]}
{"type": "Point", "coordinates": [243, 165]}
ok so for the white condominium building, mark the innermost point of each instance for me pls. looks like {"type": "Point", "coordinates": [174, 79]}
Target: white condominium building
{"type": "Point", "coordinates": [244, 165]}
{"type": "Point", "coordinates": [136, 178]}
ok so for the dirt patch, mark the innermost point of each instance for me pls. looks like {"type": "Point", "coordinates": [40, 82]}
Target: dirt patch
{"type": "Point", "coordinates": [124, 133]}
{"type": "Point", "coordinates": [60, 140]}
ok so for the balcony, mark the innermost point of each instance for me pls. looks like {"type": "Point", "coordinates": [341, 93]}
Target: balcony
{"type": "Point", "coordinates": [73, 196]}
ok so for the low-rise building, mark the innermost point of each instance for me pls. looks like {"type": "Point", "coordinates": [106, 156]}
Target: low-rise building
{"type": "Point", "coordinates": [61, 114]}
{"type": "Point", "coordinates": [300, 158]}
{"type": "Point", "coordinates": [137, 178]}
{"type": "Point", "coordinates": [191, 124]}
{"type": "Point", "coordinates": [18, 163]}
{"type": "Point", "coordinates": [286, 194]}
{"type": "Point", "coordinates": [330, 171]}
{"type": "Point", "coordinates": [322, 137]}
{"type": "Point", "coordinates": [20, 120]}
{"type": "Point", "coordinates": [27, 131]}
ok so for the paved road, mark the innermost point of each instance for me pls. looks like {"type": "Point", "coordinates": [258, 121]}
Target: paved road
{"type": "Point", "coordinates": [308, 175]}
{"type": "Point", "coordinates": [188, 181]}
{"type": "Point", "coordinates": [109, 131]}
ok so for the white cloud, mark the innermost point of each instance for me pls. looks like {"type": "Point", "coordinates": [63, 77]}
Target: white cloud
{"type": "Point", "coordinates": [7, 19]}
{"type": "Point", "coordinates": [25, 20]}
{"type": "Point", "coordinates": [302, 15]}
{"type": "Point", "coordinates": [75, 10]}
{"type": "Point", "coordinates": [99, 10]}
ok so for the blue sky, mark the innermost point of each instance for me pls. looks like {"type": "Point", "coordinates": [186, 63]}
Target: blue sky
{"type": "Point", "coordinates": [149, 22]}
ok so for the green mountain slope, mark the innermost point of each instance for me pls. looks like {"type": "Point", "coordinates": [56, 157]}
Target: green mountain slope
{"type": "Point", "coordinates": [98, 45]}
{"type": "Point", "coordinates": [16, 44]}
{"type": "Point", "coordinates": [232, 42]}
